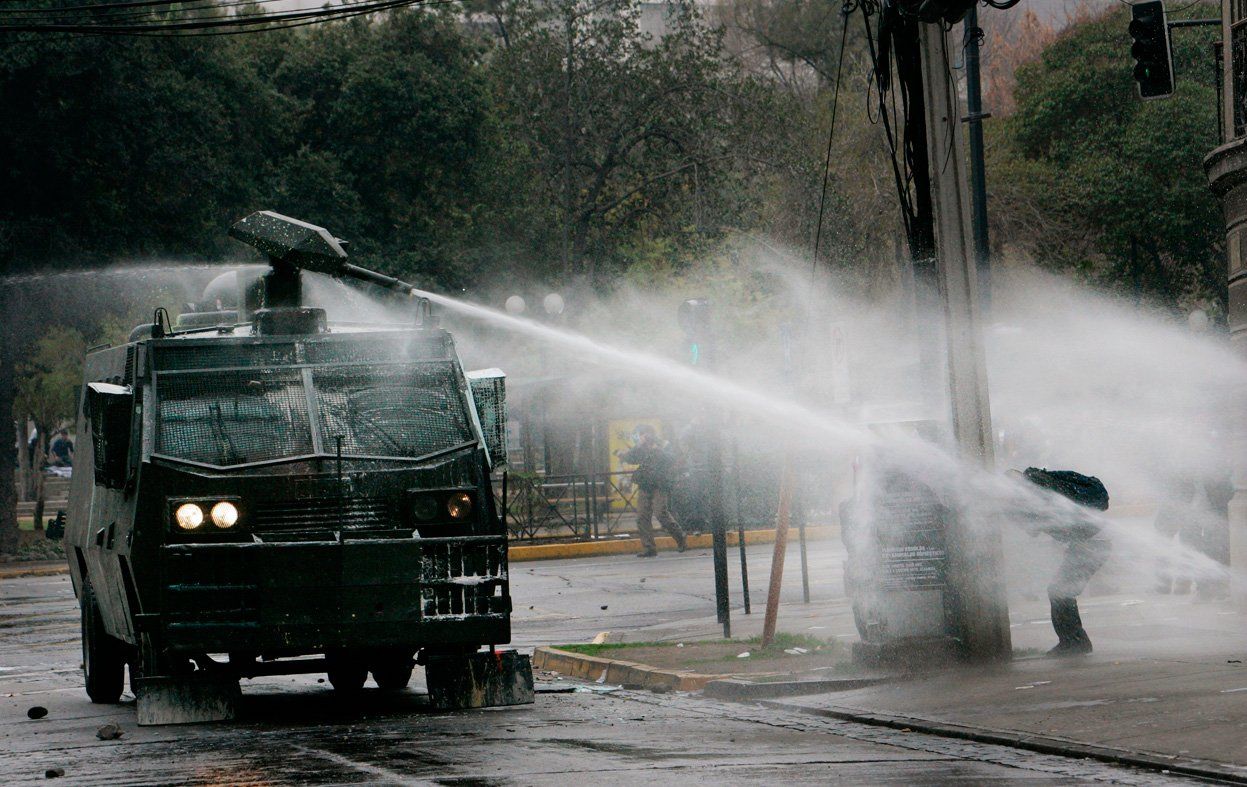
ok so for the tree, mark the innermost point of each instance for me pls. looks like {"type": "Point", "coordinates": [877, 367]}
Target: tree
{"type": "Point", "coordinates": [46, 393]}
{"type": "Point", "coordinates": [1086, 177]}
{"type": "Point", "coordinates": [129, 147]}
{"type": "Point", "coordinates": [791, 40]}
{"type": "Point", "coordinates": [622, 132]}
{"type": "Point", "coordinates": [397, 135]}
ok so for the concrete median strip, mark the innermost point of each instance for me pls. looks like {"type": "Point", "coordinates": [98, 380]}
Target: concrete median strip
{"type": "Point", "coordinates": [32, 569]}
{"type": "Point", "coordinates": [631, 674]}
{"type": "Point", "coordinates": [616, 672]}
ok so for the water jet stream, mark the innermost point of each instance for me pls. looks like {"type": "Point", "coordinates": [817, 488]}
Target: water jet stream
{"type": "Point", "coordinates": [992, 498]}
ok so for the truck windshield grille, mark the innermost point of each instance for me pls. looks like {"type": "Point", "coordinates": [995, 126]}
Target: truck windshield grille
{"type": "Point", "coordinates": [390, 410]}
{"type": "Point", "coordinates": [231, 418]}
{"type": "Point", "coordinates": [226, 418]}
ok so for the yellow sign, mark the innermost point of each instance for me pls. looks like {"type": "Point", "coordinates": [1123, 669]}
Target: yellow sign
{"type": "Point", "coordinates": [621, 438]}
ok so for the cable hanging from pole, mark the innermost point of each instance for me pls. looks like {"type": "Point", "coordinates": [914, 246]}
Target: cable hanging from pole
{"type": "Point", "coordinates": [845, 10]}
{"type": "Point", "coordinates": [220, 24]}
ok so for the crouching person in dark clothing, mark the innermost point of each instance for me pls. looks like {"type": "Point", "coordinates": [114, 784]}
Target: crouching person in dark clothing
{"type": "Point", "coordinates": [1086, 549]}
{"type": "Point", "coordinates": [655, 479]}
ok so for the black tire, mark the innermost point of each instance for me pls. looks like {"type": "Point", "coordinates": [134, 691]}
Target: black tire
{"type": "Point", "coordinates": [392, 671]}
{"type": "Point", "coordinates": [103, 656]}
{"type": "Point", "coordinates": [346, 672]}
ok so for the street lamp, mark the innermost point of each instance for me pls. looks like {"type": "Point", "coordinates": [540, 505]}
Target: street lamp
{"type": "Point", "coordinates": [515, 305]}
{"type": "Point", "coordinates": [553, 304]}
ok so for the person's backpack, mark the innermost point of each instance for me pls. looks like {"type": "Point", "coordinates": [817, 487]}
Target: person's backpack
{"type": "Point", "coordinates": [1085, 490]}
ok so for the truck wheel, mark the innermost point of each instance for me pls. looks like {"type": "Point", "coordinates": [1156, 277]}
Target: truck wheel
{"type": "Point", "coordinates": [392, 671]}
{"type": "Point", "coordinates": [347, 672]}
{"type": "Point", "coordinates": [103, 657]}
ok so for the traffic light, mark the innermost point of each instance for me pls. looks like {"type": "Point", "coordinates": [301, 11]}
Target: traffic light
{"type": "Point", "coordinates": [694, 317]}
{"type": "Point", "coordinates": [1153, 59]}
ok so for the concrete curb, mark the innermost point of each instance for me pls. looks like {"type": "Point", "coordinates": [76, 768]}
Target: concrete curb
{"type": "Point", "coordinates": [1061, 747]}
{"type": "Point", "coordinates": [33, 569]}
{"type": "Point", "coordinates": [614, 671]}
{"type": "Point", "coordinates": [739, 689]}
{"type": "Point", "coordinates": [519, 553]}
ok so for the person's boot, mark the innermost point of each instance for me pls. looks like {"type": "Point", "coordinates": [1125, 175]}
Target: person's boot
{"type": "Point", "coordinates": [647, 552]}
{"type": "Point", "coordinates": [1067, 623]}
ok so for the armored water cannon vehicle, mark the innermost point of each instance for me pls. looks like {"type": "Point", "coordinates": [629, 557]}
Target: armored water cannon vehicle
{"type": "Point", "coordinates": [271, 493]}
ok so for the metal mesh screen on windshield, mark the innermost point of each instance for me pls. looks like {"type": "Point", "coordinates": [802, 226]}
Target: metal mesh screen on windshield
{"type": "Point", "coordinates": [233, 417]}
{"type": "Point", "coordinates": [407, 410]}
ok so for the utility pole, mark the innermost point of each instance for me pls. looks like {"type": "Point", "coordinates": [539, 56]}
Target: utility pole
{"type": "Point", "coordinates": [975, 555]}
{"type": "Point", "coordinates": [694, 318]}
{"type": "Point", "coordinates": [978, 177]}
{"type": "Point", "coordinates": [569, 134]}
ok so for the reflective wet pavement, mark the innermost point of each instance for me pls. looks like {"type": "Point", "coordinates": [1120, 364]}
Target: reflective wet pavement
{"type": "Point", "coordinates": [294, 730]}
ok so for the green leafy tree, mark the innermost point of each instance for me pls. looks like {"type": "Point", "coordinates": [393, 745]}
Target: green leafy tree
{"type": "Point", "coordinates": [397, 138]}
{"type": "Point", "coordinates": [623, 133]}
{"type": "Point", "coordinates": [1087, 177]}
{"type": "Point", "coordinates": [129, 147]}
{"type": "Point", "coordinates": [48, 378]}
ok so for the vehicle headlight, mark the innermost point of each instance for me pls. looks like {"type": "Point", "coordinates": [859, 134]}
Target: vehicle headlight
{"type": "Point", "coordinates": [189, 516]}
{"type": "Point", "coordinates": [459, 505]}
{"type": "Point", "coordinates": [424, 507]}
{"type": "Point", "coordinates": [225, 514]}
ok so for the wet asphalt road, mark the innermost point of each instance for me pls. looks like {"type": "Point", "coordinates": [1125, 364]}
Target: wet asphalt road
{"type": "Point", "coordinates": [293, 730]}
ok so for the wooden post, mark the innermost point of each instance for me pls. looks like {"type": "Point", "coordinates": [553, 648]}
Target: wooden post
{"type": "Point", "coordinates": [782, 518]}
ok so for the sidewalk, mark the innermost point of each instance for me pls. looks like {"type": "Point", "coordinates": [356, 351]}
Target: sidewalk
{"type": "Point", "coordinates": [1167, 684]}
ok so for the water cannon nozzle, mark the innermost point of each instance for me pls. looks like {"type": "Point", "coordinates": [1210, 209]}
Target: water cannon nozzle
{"type": "Point", "coordinates": [290, 242]}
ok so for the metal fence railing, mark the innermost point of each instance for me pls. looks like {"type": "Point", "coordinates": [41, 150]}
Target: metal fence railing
{"type": "Point", "coordinates": [581, 505]}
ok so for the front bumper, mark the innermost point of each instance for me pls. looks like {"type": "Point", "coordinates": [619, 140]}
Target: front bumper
{"type": "Point", "coordinates": [307, 597]}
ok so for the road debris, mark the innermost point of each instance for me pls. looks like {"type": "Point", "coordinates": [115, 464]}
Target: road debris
{"type": "Point", "coordinates": [109, 732]}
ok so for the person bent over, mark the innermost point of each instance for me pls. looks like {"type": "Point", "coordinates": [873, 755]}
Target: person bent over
{"type": "Point", "coordinates": [654, 478]}
{"type": "Point", "coordinates": [1086, 549]}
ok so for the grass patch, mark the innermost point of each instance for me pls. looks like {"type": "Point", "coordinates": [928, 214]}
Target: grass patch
{"type": "Point", "coordinates": [40, 550]}
{"type": "Point", "coordinates": [728, 656]}
{"type": "Point", "coordinates": [782, 642]}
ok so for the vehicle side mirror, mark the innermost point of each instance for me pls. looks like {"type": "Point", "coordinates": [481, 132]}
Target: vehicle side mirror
{"type": "Point", "coordinates": [489, 393]}
{"type": "Point", "coordinates": [109, 408]}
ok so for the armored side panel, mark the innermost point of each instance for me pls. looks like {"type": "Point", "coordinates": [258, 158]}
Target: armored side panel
{"type": "Point", "coordinates": [100, 525]}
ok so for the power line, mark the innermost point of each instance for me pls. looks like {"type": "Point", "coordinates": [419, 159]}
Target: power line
{"type": "Point", "coordinates": [59, 10]}
{"type": "Point", "coordinates": [831, 134]}
{"type": "Point", "coordinates": [187, 8]}
{"type": "Point", "coordinates": [273, 20]}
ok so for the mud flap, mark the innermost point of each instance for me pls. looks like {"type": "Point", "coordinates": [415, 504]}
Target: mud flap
{"type": "Point", "coordinates": [479, 680]}
{"type": "Point", "coordinates": [186, 700]}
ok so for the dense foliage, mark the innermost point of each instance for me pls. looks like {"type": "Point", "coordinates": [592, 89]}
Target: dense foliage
{"type": "Point", "coordinates": [441, 149]}
{"type": "Point", "coordinates": [1088, 177]}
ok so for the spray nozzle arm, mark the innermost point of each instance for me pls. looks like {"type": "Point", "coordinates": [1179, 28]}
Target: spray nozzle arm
{"type": "Point", "coordinates": [289, 241]}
